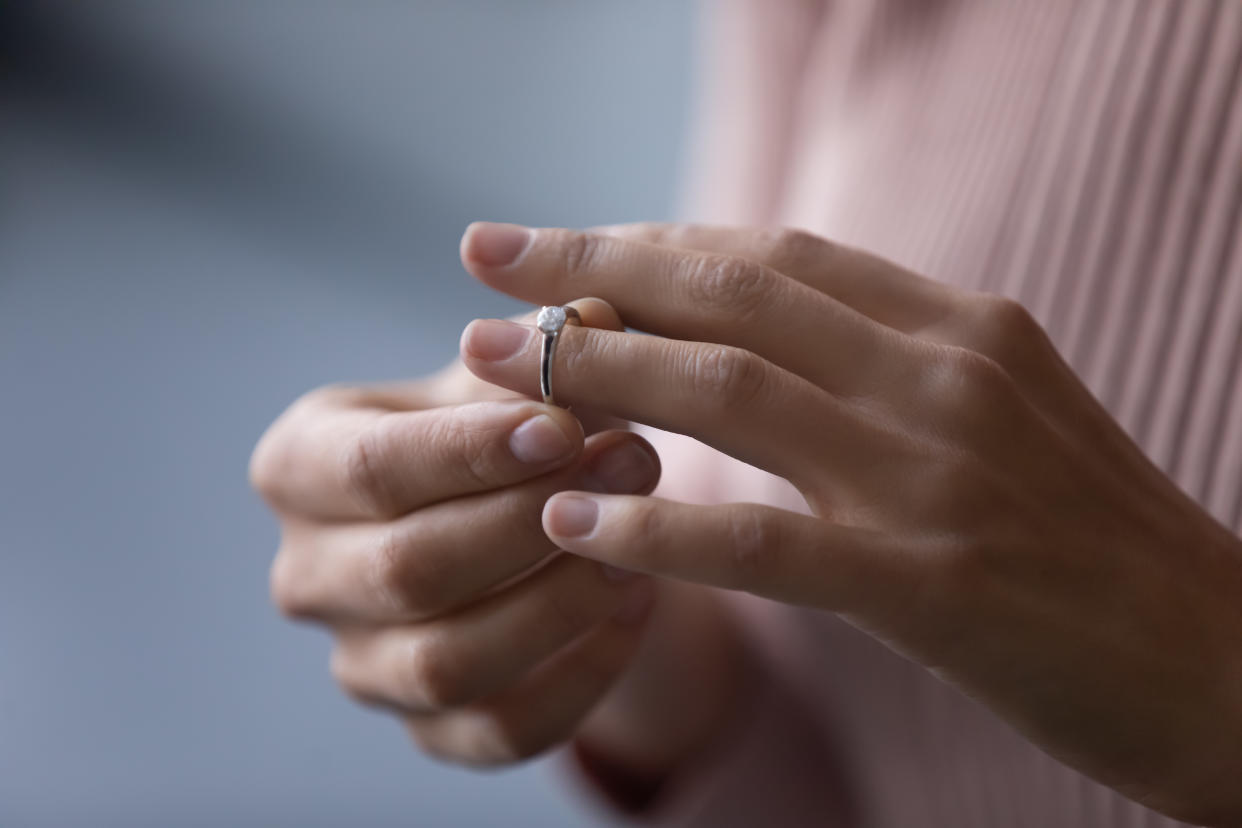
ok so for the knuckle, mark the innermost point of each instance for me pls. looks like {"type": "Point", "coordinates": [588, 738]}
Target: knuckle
{"type": "Point", "coordinates": [730, 375]}
{"type": "Point", "coordinates": [475, 451]}
{"type": "Point", "coordinates": [274, 457]}
{"type": "Point", "coordinates": [1002, 328]}
{"type": "Point", "coordinates": [266, 463]}
{"type": "Point", "coordinates": [421, 736]}
{"type": "Point", "coordinates": [728, 284]}
{"type": "Point", "coordinates": [786, 245]}
{"type": "Point", "coordinates": [684, 236]}
{"type": "Point", "coordinates": [361, 475]}
{"type": "Point", "coordinates": [752, 545]}
{"type": "Point", "coordinates": [393, 575]}
{"type": "Point", "coordinates": [427, 738]}
{"type": "Point", "coordinates": [967, 382]}
{"type": "Point", "coordinates": [287, 586]}
{"type": "Point", "coordinates": [580, 251]}
{"type": "Point", "coordinates": [650, 232]}
{"type": "Point", "coordinates": [585, 353]}
{"type": "Point", "coordinates": [434, 676]}
{"type": "Point", "coordinates": [504, 738]}
{"type": "Point", "coordinates": [341, 667]}
{"type": "Point", "coordinates": [644, 526]}
{"type": "Point", "coordinates": [986, 384]}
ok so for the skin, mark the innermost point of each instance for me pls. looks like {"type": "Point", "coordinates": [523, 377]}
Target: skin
{"type": "Point", "coordinates": [972, 507]}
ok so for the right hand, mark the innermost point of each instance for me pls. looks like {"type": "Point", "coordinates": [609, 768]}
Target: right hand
{"type": "Point", "coordinates": [410, 523]}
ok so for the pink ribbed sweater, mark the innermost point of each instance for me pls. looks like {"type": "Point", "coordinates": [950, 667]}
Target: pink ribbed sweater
{"type": "Point", "coordinates": [1084, 157]}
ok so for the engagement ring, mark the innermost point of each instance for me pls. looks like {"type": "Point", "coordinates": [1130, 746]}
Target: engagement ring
{"type": "Point", "coordinates": [551, 320]}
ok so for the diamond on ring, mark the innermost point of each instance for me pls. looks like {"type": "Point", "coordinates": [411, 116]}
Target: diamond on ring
{"type": "Point", "coordinates": [551, 319]}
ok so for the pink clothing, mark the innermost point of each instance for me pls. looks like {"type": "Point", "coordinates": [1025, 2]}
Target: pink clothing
{"type": "Point", "coordinates": [1083, 157]}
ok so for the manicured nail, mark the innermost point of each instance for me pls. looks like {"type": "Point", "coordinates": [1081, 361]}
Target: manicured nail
{"type": "Point", "coordinates": [572, 516]}
{"type": "Point", "coordinates": [495, 245]}
{"type": "Point", "coordinates": [494, 340]}
{"type": "Point", "coordinates": [623, 469]}
{"type": "Point", "coordinates": [540, 440]}
{"type": "Point", "coordinates": [636, 604]}
{"type": "Point", "coordinates": [616, 574]}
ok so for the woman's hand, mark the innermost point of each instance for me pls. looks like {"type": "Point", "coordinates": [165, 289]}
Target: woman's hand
{"type": "Point", "coordinates": [411, 527]}
{"type": "Point", "coordinates": [972, 505]}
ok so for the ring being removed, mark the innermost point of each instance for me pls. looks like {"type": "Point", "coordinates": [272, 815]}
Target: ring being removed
{"type": "Point", "coordinates": [551, 319]}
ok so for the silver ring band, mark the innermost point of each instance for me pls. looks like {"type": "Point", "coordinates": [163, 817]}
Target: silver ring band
{"type": "Point", "coordinates": [551, 320]}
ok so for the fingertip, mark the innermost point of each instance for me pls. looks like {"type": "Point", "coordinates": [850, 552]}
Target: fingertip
{"type": "Point", "coordinates": [463, 341]}
{"type": "Point", "coordinates": [464, 346]}
{"type": "Point", "coordinates": [619, 462]}
{"type": "Point", "coordinates": [541, 441]}
{"type": "Point", "coordinates": [493, 244]}
{"type": "Point", "coordinates": [492, 340]}
{"type": "Point", "coordinates": [463, 246]}
{"type": "Point", "coordinates": [598, 313]}
{"type": "Point", "coordinates": [570, 516]}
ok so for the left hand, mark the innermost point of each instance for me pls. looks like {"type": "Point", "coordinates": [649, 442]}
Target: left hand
{"type": "Point", "coordinates": [973, 506]}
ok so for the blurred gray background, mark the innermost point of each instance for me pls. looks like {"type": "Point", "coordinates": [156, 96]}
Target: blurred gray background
{"type": "Point", "coordinates": [206, 209]}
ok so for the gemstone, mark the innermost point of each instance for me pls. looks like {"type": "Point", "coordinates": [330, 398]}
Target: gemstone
{"type": "Point", "coordinates": [551, 319]}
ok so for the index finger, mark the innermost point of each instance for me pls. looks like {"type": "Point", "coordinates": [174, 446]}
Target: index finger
{"type": "Point", "coordinates": [330, 461]}
{"type": "Point", "coordinates": [724, 396]}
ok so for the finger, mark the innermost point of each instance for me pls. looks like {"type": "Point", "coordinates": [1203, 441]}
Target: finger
{"type": "Point", "coordinates": [457, 659]}
{"type": "Point", "coordinates": [454, 385]}
{"type": "Point", "coordinates": [593, 313]}
{"type": "Point", "coordinates": [925, 308]}
{"type": "Point", "coordinates": [447, 555]}
{"type": "Point", "coordinates": [334, 462]}
{"type": "Point", "coordinates": [686, 387]}
{"type": "Point", "coordinates": [546, 708]}
{"type": "Point", "coordinates": [871, 285]}
{"type": "Point", "coordinates": [770, 552]}
{"type": "Point", "coordinates": [882, 290]}
{"type": "Point", "coordinates": [691, 295]}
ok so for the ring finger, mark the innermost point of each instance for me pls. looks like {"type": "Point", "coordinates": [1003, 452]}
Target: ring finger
{"type": "Point", "coordinates": [686, 387]}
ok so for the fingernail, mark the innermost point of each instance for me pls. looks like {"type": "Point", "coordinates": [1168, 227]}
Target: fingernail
{"type": "Point", "coordinates": [494, 340]}
{"type": "Point", "coordinates": [496, 245]}
{"type": "Point", "coordinates": [616, 574]}
{"type": "Point", "coordinates": [540, 440]}
{"type": "Point", "coordinates": [636, 604]}
{"type": "Point", "coordinates": [624, 468]}
{"type": "Point", "coordinates": [572, 517]}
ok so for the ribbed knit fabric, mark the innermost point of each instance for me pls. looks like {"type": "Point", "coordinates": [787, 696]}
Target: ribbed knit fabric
{"type": "Point", "coordinates": [1083, 157]}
